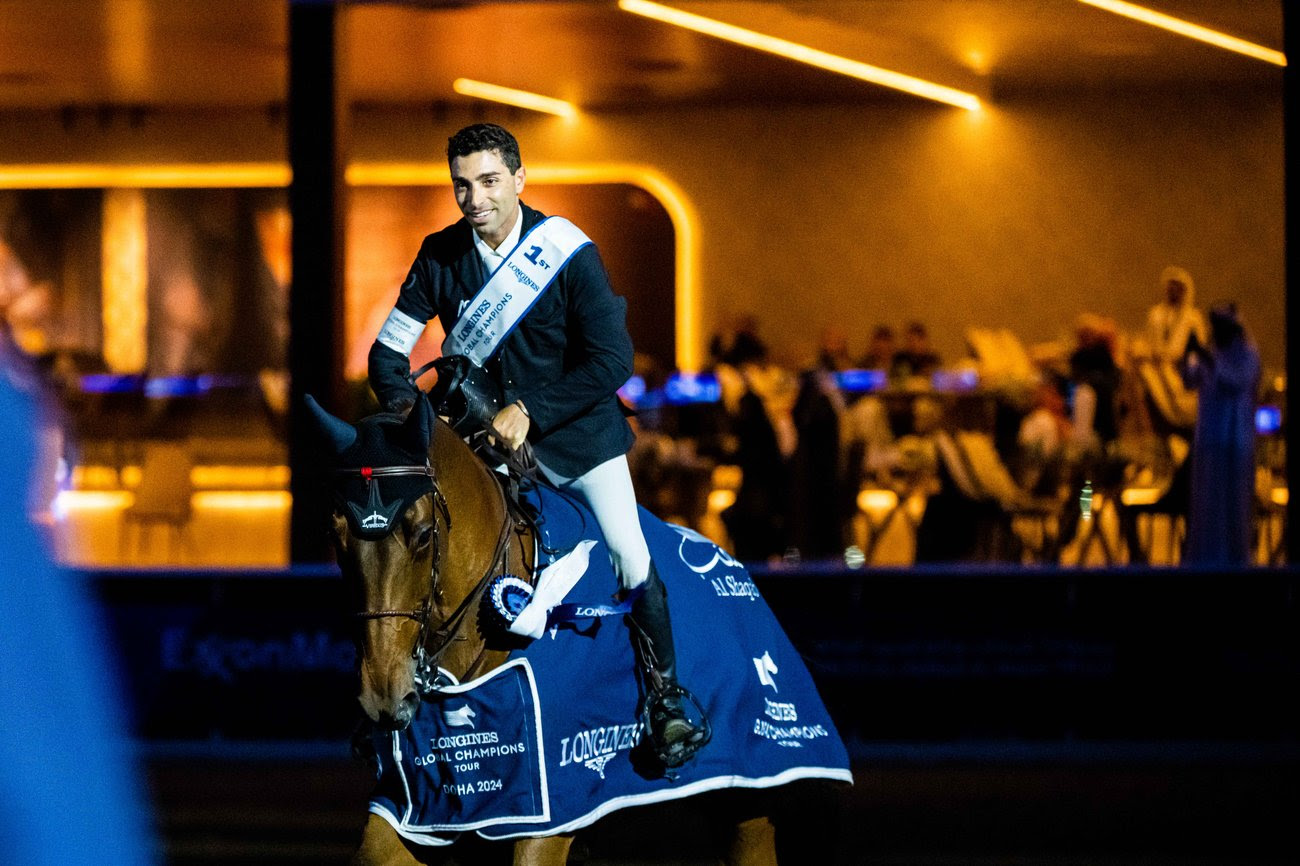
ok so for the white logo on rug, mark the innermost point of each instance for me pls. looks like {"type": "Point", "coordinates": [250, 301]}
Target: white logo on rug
{"type": "Point", "coordinates": [766, 667]}
{"type": "Point", "coordinates": [702, 549]}
{"type": "Point", "coordinates": [598, 764]}
{"type": "Point", "coordinates": [463, 717]}
{"type": "Point", "coordinates": [594, 747]}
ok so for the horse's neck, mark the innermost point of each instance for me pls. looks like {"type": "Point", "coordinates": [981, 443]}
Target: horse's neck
{"type": "Point", "coordinates": [479, 521]}
{"type": "Point", "coordinates": [471, 492]}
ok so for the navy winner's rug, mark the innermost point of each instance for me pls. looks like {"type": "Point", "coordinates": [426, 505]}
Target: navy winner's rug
{"type": "Point", "coordinates": [548, 742]}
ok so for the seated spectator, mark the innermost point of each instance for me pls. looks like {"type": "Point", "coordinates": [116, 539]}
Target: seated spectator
{"type": "Point", "coordinates": [916, 359]}
{"type": "Point", "coordinates": [880, 349]}
{"type": "Point", "coordinates": [833, 353]}
{"type": "Point", "coordinates": [1175, 318]}
{"type": "Point", "coordinates": [1041, 440]}
{"type": "Point", "coordinates": [957, 516]}
{"type": "Point", "coordinates": [868, 439]}
{"type": "Point", "coordinates": [738, 344]}
{"type": "Point", "coordinates": [1095, 379]}
{"type": "Point", "coordinates": [1094, 423]}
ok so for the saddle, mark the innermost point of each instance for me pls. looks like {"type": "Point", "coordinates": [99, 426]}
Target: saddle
{"type": "Point", "coordinates": [469, 399]}
{"type": "Point", "coordinates": [464, 394]}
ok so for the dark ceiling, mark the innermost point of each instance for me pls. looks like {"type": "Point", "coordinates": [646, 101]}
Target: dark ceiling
{"type": "Point", "coordinates": [160, 53]}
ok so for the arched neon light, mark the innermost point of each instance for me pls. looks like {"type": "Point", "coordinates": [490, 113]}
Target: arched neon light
{"type": "Point", "coordinates": [666, 192]}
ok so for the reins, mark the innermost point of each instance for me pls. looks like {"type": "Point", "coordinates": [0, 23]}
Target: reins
{"type": "Point", "coordinates": [448, 632]}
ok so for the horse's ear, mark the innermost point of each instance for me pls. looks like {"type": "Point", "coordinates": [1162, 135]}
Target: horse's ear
{"type": "Point", "coordinates": [418, 427]}
{"type": "Point", "coordinates": [340, 433]}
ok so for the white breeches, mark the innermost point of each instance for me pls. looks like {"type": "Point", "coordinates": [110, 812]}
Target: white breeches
{"type": "Point", "coordinates": [608, 491]}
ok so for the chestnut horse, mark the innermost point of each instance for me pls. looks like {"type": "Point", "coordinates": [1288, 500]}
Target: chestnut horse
{"type": "Point", "coordinates": [419, 558]}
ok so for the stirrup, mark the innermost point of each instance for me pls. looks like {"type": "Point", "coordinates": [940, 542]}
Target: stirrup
{"type": "Point", "coordinates": [666, 703]}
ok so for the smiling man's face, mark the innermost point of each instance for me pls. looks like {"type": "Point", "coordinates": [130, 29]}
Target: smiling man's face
{"type": "Point", "coordinates": [487, 193]}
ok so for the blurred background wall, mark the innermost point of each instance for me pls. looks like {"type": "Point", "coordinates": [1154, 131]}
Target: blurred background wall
{"type": "Point", "coordinates": [1021, 216]}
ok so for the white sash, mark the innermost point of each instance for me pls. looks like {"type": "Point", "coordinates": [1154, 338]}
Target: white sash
{"type": "Point", "coordinates": [513, 288]}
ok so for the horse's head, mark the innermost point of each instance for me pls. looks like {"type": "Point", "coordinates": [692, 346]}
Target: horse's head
{"type": "Point", "coordinates": [386, 534]}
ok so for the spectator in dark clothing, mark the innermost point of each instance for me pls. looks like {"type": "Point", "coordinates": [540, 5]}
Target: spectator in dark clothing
{"type": "Point", "coordinates": [833, 353]}
{"type": "Point", "coordinates": [742, 345]}
{"type": "Point", "coordinates": [880, 349]}
{"type": "Point", "coordinates": [816, 504]}
{"type": "Point", "coordinates": [916, 358]}
{"type": "Point", "coordinates": [756, 521]}
{"type": "Point", "coordinates": [1094, 424]}
{"type": "Point", "coordinates": [1226, 377]}
{"type": "Point", "coordinates": [1093, 367]}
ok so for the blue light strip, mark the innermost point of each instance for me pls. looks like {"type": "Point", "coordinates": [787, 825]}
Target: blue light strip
{"type": "Point", "coordinates": [160, 387]}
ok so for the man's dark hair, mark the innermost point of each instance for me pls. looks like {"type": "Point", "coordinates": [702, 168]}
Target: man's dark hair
{"type": "Point", "coordinates": [485, 136]}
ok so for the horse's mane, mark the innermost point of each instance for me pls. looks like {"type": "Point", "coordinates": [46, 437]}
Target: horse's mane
{"type": "Point", "coordinates": [448, 451]}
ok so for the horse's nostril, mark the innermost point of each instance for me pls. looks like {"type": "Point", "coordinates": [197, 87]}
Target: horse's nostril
{"type": "Point", "coordinates": [406, 709]}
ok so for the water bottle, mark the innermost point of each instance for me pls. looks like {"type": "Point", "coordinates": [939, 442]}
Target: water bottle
{"type": "Point", "coordinates": [1085, 501]}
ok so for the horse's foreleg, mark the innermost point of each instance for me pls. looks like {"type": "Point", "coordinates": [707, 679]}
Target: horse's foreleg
{"type": "Point", "coordinates": [753, 843]}
{"type": "Point", "coordinates": [543, 851]}
{"type": "Point", "coordinates": [381, 846]}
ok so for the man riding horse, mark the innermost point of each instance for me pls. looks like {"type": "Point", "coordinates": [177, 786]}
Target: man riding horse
{"type": "Point", "coordinates": [526, 301]}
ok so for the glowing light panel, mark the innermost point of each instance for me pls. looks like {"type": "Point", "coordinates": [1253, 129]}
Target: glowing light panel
{"type": "Point", "coordinates": [802, 54]}
{"type": "Point", "coordinates": [124, 269]}
{"type": "Point", "coordinates": [1190, 30]}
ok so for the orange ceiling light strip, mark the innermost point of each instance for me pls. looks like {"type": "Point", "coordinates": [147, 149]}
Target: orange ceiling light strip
{"type": "Point", "coordinates": [152, 176]}
{"type": "Point", "coordinates": [510, 96]}
{"type": "Point", "coordinates": [802, 53]}
{"type": "Point", "coordinates": [1190, 30]}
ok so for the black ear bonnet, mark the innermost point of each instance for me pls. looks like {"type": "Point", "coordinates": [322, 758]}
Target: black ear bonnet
{"type": "Point", "coordinates": [382, 464]}
{"type": "Point", "coordinates": [372, 501]}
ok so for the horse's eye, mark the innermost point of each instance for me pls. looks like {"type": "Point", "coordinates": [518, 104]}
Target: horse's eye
{"type": "Point", "coordinates": [423, 537]}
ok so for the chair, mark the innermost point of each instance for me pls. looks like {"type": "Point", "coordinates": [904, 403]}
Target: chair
{"type": "Point", "coordinates": [958, 518]}
{"type": "Point", "coordinates": [1271, 497]}
{"type": "Point", "coordinates": [992, 476]}
{"type": "Point", "coordinates": [977, 512]}
{"type": "Point", "coordinates": [885, 474]}
{"type": "Point", "coordinates": [162, 498]}
{"type": "Point", "coordinates": [1001, 355]}
{"type": "Point", "coordinates": [1166, 497]}
{"type": "Point", "coordinates": [1171, 405]}
{"type": "Point", "coordinates": [880, 503]}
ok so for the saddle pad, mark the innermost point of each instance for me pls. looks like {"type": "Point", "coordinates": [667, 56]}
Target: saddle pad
{"type": "Point", "coordinates": [769, 724]}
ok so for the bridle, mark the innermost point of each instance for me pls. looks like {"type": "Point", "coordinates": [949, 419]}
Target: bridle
{"type": "Point", "coordinates": [426, 659]}
{"type": "Point", "coordinates": [421, 614]}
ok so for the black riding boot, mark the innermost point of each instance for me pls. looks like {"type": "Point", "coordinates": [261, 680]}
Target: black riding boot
{"type": "Point", "coordinates": [674, 736]}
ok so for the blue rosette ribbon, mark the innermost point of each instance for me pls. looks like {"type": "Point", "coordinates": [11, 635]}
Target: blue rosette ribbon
{"type": "Point", "coordinates": [509, 595]}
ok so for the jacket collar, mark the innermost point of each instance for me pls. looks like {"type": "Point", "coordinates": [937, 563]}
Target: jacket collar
{"type": "Point", "coordinates": [469, 266]}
